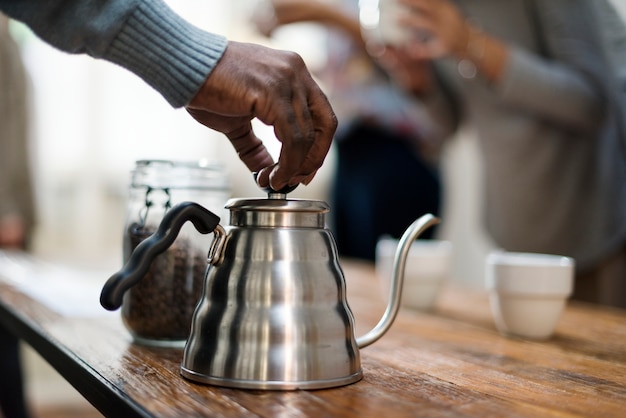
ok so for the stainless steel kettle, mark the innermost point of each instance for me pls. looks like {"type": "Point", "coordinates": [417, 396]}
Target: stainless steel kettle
{"type": "Point", "coordinates": [274, 313]}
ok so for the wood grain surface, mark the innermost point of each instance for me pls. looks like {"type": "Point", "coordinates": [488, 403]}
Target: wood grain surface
{"type": "Point", "coordinates": [449, 362]}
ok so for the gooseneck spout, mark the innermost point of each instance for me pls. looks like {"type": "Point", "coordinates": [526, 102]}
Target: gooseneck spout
{"type": "Point", "coordinates": [412, 232]}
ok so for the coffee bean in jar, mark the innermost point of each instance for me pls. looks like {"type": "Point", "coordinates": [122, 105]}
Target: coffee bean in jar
{"type": "Point", "coordinates": [158, 309]}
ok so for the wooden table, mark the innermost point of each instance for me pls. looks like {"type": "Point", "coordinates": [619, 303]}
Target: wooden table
{"type": "Point", "coordinates": [450, 362]}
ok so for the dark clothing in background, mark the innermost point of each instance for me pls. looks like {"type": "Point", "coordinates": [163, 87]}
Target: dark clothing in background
{"type": "Point", "coordinates": [12, 404]}
{"type": "Point", "coordinates": [380, 187]}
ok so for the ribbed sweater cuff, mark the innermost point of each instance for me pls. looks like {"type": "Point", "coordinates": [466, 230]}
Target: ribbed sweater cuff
{"type": "Point", "coordinates": [168, 53]}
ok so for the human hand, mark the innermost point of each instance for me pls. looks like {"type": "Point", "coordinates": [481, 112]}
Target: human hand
{"type": "Point", "coordinates": [442, 27]}
{"type": "Point", "coordinates": [271, 14]}
{"type": "Point", "coordinates": [274, 86]}
{"type": "Point", "coordinates": [443, 30]}
{"type": "Point", "coordinates": [414, 75]}
{"type": "Point", "coordinates": [12, 232]}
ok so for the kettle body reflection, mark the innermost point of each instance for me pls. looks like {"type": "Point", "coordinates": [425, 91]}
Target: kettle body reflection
{"type": "Point", "coordinates": [274, 312]}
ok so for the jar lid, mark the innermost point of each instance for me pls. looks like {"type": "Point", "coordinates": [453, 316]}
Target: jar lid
{"type": "Point", "coordinates": [200, 174]}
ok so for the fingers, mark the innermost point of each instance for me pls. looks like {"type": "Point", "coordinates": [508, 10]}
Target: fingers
{"type": "Point", "coordinates": [301, 156]}
{"type": "Point", "coordinates": [303, 121]}
{"type": "Point", "coordinates": [251, 150]}
{"type": "Point", "coordinates": [419, 22]}
{"type": "Point", "coordinates": [263, 176]}
{"type": "Point", "coordinates": [441, 20]}
{"type": "Point", "coordinates": [424, 7]}
{"type": "Point", "coordinates": [275, 87]}
{"type": "Point", "coordinates": [325, 124]}
{"type": "Point", "coordinates": [239, 131]}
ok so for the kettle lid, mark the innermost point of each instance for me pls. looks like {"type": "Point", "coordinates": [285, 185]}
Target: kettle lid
{"type": "Point", "coordinates": [295, 213]}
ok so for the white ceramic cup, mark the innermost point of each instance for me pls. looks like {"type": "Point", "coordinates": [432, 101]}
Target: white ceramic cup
{"type": "Point", "coordinates": [528, 291]}
{"type": "Point", "coordinates": [427, 269]}
{"type": "Point", "coordinates": [379, 22]}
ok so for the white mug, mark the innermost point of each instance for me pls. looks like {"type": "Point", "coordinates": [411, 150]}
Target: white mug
{"type": "Point", "coordinates": [528, 291]}
{"type": "Point", "coordinates": [427, 268]}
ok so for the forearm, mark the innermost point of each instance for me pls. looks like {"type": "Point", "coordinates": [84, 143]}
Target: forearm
{"type": "Point", "coordinates": [144, 36]}
{"type": "Point", "coordinates": [555, 92]}
{"type": "Point", "coordinates": [560, 87]}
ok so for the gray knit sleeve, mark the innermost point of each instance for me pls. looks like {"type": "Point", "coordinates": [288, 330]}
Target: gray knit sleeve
{"type": "Point", "coordinates": [562, 79]}
{"type": "Point", "coordinates": [144, 36]}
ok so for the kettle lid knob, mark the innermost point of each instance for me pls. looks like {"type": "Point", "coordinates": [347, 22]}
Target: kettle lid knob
{"type": "Point", "coordinates": [275, 194]}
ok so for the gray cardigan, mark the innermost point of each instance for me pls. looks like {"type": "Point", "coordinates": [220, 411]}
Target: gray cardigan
{"type": "Point", "coordinates": [554, 167]}
{"type": "Point", "coordinates": [143, 36]}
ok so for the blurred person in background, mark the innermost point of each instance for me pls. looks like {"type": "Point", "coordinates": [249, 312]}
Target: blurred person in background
{"type": "Point", "coordinates": [17, 209]}
{"type": "Point", "coordinates": [222, 84]}
{"type": "Point", "coordinates": [533, 79]}
{"type": "Point", "coordinates": [386, 173]}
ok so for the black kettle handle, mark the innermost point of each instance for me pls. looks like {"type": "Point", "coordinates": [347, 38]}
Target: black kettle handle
{"type": "Point", "coordinates": [139, 262]}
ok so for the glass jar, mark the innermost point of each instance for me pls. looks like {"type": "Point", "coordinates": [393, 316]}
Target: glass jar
{"type": "Point", "coordinates": [158, 309]}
